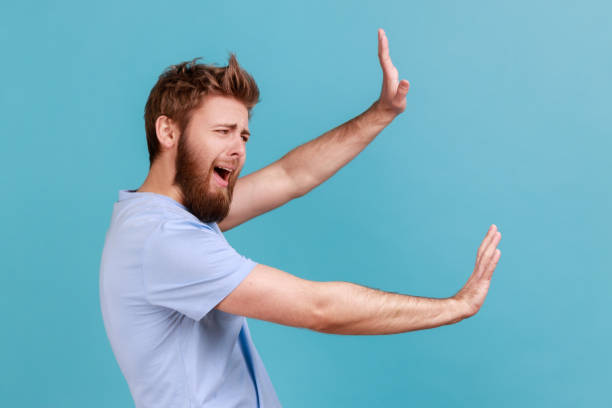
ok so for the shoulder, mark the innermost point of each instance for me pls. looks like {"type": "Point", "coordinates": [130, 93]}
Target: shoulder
{"type": "Point", "coordinates": [184, 225]}
{"type": "Point", "coordinates": [180, 237]}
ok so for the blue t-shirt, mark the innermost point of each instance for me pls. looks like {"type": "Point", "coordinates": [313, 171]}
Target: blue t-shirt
{"type": "Point", "coordinates": [162, 273]}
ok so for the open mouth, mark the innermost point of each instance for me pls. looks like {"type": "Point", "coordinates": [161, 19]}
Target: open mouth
{"type": "Point", "coordinates": [224, 174]}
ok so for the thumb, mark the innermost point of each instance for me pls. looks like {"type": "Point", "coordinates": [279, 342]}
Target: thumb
{"type": "Point", "coordinates": [402, 90]}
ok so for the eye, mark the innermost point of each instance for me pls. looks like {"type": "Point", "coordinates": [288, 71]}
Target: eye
{"type": "Point", "coordinates": [245, 138]}
{"type": "Point", "coordinates": [224, 131]}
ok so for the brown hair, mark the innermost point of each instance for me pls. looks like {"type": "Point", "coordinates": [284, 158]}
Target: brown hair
{"type": "Point", "coordinates": [180, 90]}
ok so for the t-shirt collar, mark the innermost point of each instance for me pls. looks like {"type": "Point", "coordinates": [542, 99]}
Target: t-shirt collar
{"type": "Point", "coordinates": [129, 194]}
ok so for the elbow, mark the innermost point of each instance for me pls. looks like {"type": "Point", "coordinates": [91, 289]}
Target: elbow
{"type": "Point", "coordinates": [318, 321]}
{"type": "Point", "coordinates": [301, 184]}
{"type": "Point", "coordinates": [321, 316]}
{"type": "Point", "coordinates": [297, 193]}
{"type": "Point", "coordinates": [300, 188]}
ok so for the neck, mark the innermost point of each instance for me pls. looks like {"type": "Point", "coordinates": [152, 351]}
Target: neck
{"type": "Point", "coordinates": [159, 181]}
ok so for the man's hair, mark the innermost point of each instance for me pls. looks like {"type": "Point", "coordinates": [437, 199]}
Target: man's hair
{"type": "Point", "coordinates": [181, 88]}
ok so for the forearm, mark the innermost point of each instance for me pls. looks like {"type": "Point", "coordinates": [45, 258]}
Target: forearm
{"type": "Point", "coordinates": [312, 163]}
{"type": "Point", "coordinates": [348, 308]}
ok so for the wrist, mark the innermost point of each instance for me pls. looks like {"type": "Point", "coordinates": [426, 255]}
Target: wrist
{"type": "Point", "coordinates": [382, 114]}
{"type": "Point", "coordinates": [458, 308]}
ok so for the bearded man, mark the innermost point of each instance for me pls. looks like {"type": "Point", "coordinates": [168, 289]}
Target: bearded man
{"type": "Point", "coordinates": [175, 295]}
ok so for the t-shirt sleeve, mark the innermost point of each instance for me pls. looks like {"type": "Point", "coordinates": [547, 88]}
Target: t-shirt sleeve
{"type": "Point", "coordinates": [190, 268]}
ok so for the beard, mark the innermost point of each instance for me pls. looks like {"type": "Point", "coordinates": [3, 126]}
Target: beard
{"type": "Point", "coordinates": [208, 204]}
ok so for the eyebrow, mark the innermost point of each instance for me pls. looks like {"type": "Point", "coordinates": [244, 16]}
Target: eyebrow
{"type": "Point", "coordinates": [232, 126]}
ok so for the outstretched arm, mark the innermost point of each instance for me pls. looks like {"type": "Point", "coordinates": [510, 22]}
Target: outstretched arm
{"type": "Point", "coordinates": [314, 162]}
{"type": "Point", "coordinates": [276, 296]}
{"type": "Point", "coordinates": [310, 164]}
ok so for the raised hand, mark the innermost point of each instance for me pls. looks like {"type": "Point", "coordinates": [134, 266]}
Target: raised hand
{"type": "Point", "coordinates": [393, 93]}
{"type": "Point", "coordinates": [474, 292]}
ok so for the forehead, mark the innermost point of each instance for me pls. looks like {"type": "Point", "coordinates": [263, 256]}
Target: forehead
{"type": "Point", "coordinates": [221, 109]}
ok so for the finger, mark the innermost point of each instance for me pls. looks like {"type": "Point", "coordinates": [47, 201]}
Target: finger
{"type": "Point", "coordinates": [492, 264]}
{"type": "Point", "coordinates": [486, 244]}
{"type": "Point", "coordinates": [402, 90]}
{"type": "Point", "coordinates": [383, 53]}
{"type": "Point", "coordinates": [485, 241]}
{"type": "Point", "coordinates": [492, 245]}
{"type": "Point", "coordinates": [487, 255]}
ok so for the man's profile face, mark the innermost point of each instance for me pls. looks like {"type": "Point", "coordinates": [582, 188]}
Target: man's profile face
{"type": "Point", "coordinates": [215, 137]}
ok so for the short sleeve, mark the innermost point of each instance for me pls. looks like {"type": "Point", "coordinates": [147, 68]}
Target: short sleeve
{"type": "Point", "coordinates": [190, 267]}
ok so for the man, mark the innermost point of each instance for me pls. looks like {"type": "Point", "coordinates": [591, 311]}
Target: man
{"type": "Point", "coordinates": [175, 295]}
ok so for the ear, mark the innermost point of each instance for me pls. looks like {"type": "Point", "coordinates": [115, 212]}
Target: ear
{"type": "Point", "coordinates": [167, 131]}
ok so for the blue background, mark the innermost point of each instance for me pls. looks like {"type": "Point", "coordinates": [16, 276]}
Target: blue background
{"type": "Point", "coordinates": [508, 122]}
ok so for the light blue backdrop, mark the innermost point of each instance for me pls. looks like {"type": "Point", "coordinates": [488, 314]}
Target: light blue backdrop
{"type": "Point", "coordinates": [508, 122]}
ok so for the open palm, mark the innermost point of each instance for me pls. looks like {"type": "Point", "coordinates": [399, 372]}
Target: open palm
{"type": "Point", "coordinates": [393, 92]}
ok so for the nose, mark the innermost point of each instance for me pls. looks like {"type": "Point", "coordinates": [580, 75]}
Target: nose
{"type": "Point", "coordinates": [237, 148]}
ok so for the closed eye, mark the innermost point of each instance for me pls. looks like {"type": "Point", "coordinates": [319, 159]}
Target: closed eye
{"type": "Point", "coordinates": [223, 130]}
